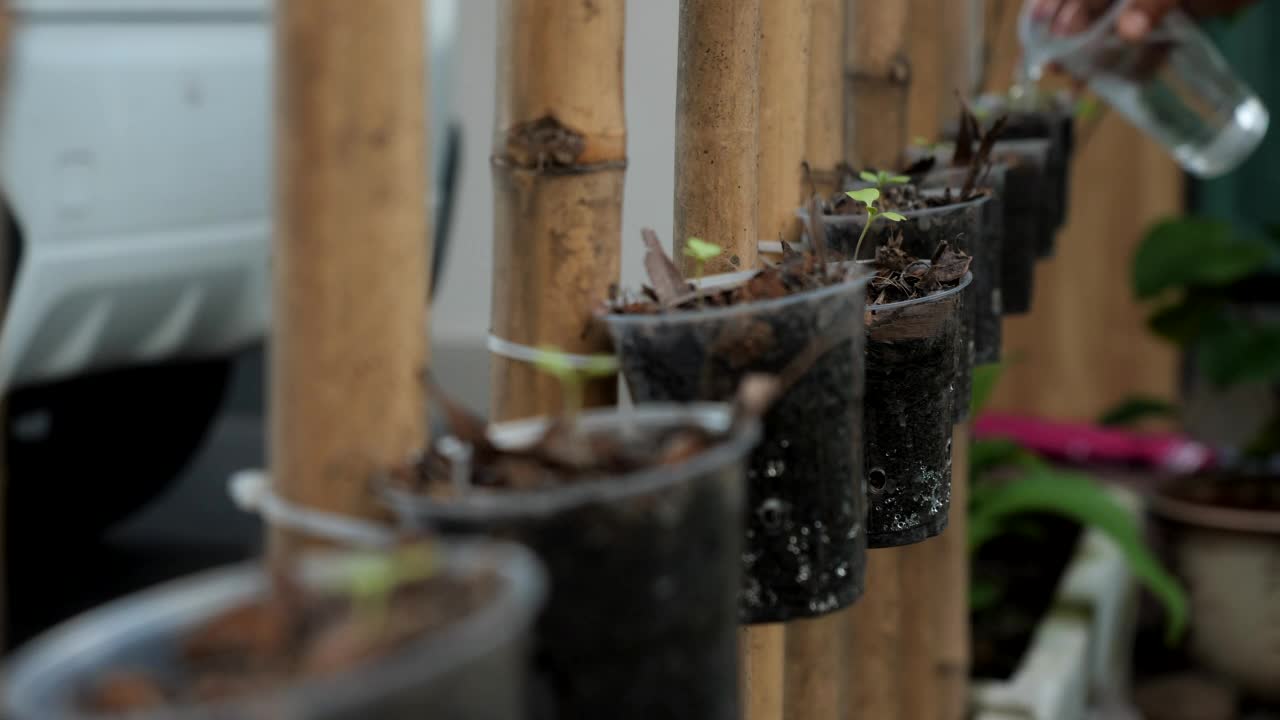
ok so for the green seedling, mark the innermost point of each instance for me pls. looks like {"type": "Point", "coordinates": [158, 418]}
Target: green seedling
{"type": "Point", "coordinates": [572, 376]}
{"type": "Point", "coordinates": [882, 179]}
{"type": "Point", "coordinates": [868, 197]}
{"type": "Point", "coordinates": [701, 251]}
{"type": "Point", "coordinates": [372, 579]}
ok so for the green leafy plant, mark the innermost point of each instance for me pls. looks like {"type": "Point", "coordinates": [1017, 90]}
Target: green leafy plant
{"type": "Point", "coordinates": [882, 179]}
{"type": "Point", "coordinates": [868, 197]}
{"type": "Point", "coordinates": [1010, 483]}
{"type": "Point", "coordinates": [573, 375]}
{"type": "Point", "coordinates": [1187, 269]}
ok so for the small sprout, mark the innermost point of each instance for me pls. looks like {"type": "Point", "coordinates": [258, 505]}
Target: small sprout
{"type": "Point", "coordinates": [372, 579]}
{"type": "Point", "coordinates": [573, 375]}
{"type": "Point", "coordinates": [882, 178]}
{"type": "Point", "coordinates": [868, 197]}
{"type": "Point", "coordinates": [701, 251]}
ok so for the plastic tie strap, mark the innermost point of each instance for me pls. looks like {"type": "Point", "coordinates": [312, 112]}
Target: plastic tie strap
{"type": "Point", "coordinates": [532, 355]}
{"type": "Point", "coordinates": [251, 491]}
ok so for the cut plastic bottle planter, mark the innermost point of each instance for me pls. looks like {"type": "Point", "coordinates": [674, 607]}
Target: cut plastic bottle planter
{"type": "Point", "coordinates": [473, 668]}
{"type": "Point", "coordinates": [805, 551]}
{"type": "Point", "coordinates": [1028, 225]}
{"type": "Point", "coordinates": [923, 231]}
{"type": "Point", "coordinates": [644, 569]}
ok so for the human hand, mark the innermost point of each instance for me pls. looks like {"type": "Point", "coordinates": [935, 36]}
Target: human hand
{"type": "Point", "coordinates": [1073, 16]}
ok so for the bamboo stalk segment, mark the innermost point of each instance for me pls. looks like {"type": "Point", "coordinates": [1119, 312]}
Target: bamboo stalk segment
{"type": "Point", "coordinates": [878, 78]}
{"type": "Point", "coordinates": [875, 635]}
{"type": "Point", "coordinates": [920, 607]}
{"type": "Point", "coordinates": [559, 159]}
{"type": "Point", "coordinates": [784, 93]}
{"type": "Point", "coordinates": [824, 136]}
{"type": "Point", "coordinates": [351, 250]}
{"type": "Point", "coordinates": [718, 131]}
{"type": "Point", "coordinates": [763, 651]}
{"type": "Point", "coordinates": [953, 650]}
{"type": "Point", "coordinates": [877, 82]}
{"type": "Point", "coordinates": [815, 668]}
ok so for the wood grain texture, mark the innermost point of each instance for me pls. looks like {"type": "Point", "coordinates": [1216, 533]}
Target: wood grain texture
{"type": "Point", "coordinates": [878, 79]}
{"type": "Point", "coordinates": [816, 650]}
{"type": "Point", "coordinates": [784, 93]}
{"type": "Point", "coordinates": [718, 131]}
{"type": "Point", "coordinates": [1085, 347]}
{"type": "Point", "coordinates": [824, 134]}
{"type": "Point", "coordinates": [919, 600]}
{"type": "Point", "coordinates": [763, 651]}
{"type": "Point", "coordinates": [351, 250]}
{"type": "Point", "coordinates": [559, 160]}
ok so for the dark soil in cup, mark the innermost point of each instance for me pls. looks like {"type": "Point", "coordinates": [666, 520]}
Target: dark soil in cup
{"type": "Point", "coordinates": [642, 616]}
{"type": "Point", "coordinates": [912, 357]}
{"type": "Point", "coordinates": [1022, 570]}
{"type": "Point", "coordinates": [802, 322]}
{"type": "Point", "coordinates": [285, 639]}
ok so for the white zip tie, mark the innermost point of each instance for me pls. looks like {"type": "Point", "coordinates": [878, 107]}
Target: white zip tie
{"type": "Point", "coordinates": [532, 355]}
{"type": "Point", "coordinates": [251, 492]}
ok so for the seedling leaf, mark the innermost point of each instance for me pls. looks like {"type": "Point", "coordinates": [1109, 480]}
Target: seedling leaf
{"type": "Point", "coordinates": [867, 196]}
{"type": "Point", "coordinates": [898, 179]}
{"type": "Point", "coordinates": [896, 217]}
{"type": "Point", "coordinates": [868, 176]}
{"type": "Point", "coordinates": [700, 249]}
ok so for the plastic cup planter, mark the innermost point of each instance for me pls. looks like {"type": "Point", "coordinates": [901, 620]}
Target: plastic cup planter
{"type": "Point", "coordinates": [1027, 227]}
{"type": "Point", "coordinates": [471, 669]}
{"type": "Point", "coordinates": [644, 569]}
{"type": "Point", "coordinates": [988, 258]}
{"type": "Point", "coordinates": [961, 225]}
{"type": "Point", "coordinates": [908, 414]}
{"type": "Point", "coordinates": [805, 552]}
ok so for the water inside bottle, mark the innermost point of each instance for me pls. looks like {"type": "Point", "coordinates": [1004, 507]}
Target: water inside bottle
{"type": "Point", "coordinates": [1176, 87]}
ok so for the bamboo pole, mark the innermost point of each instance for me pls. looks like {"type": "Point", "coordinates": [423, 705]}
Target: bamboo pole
{"type": "Point", "coordinates": [877, 77]}
{"type": "Point", "coordinates": [716, 199]}
{"type": "Point", "coordinates": [351, 250]}
{"type": "Point", "coordinates": [824, 136]}
{"type": "Point", "coordinates": [559, 159]}
{"type": "Point", "coordinates": [952, 623]}
{"type": "Point", "coordinates": [816, 648]}
{"type": "Point", "coordinates": [785, 27]}
{"type": "Point", "coordinates": [763, 651]}
{"type": "Point", "coordinates": [718, 131]}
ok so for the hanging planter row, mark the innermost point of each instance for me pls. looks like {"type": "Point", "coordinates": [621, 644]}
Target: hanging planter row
{"type": "Point", "coordinates": [788, 419]}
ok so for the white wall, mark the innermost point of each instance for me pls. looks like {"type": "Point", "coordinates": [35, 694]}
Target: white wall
{"type": "Point", "coordinates": [460, 315]}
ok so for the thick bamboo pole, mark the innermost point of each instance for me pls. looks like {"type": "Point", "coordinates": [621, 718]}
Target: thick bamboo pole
{"type": "Point", "coordinates": [878, 77]}
{"type": "Point", "coordinates": [351, 250]}
{"type": "Point", "coordinates": [952, 619]}
{"type": "Point", "coordinates": [785, 27]}
{"type": "Point", "coordinates": [718, 130]}
{"type": "Point", "coordinates": [824, 136]}
{"type": "Point", "coordinates": [944, 62]}
{"type": "Point", "coordinates": [559, 158]}
{"type": "Point", "coordinates": [815, 649]}
{"type": "Point", "coordinates": [716, 196]}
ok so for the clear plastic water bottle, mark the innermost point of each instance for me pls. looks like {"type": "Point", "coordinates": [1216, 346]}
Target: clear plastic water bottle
{"type": "Point", "coordinates": [1173, 85]}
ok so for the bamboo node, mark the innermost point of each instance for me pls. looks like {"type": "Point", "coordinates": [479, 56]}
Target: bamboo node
{"type": "Point", "coordinates": [897, 73]}
{"type": "Point", "coordinates": [544, 142]}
